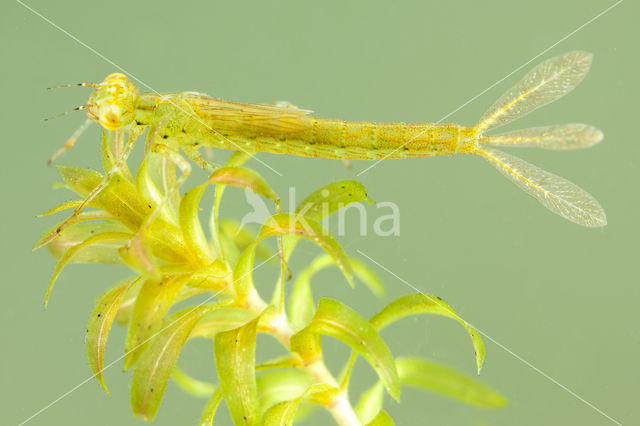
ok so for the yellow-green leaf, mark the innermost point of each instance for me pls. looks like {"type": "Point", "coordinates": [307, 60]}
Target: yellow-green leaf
{"type": "Point", "coordinates": [101, 252]}
{"type": "Point", "coordinates": [153, 302]}
{"type": "Point", "coordinates": [221, 319]}
{"type": "Point", "coordinates": [301, 306]}
{"type": "Point", "coordinates": [429, 375]}
{"type": "Point", "coordinates": [243, 177]}
{"type": "Point", "coordinates": [81, 181]}
{"type": "Point", "coordinates": [325, 201]}
{"type": "Point", "coordinates": [369, 278]}
{"type": "Point", "coordinates": [283, 413]}
{"type": "Point", "coordinates": [370, 403]}
{"type": "Point", "coordinates": [337, 320]}
{"type": "Point", "coordinates": [126, 305]}
{"type": "Point", "coordinates": [99, 326]}
{"type": "Point", "coordinates": [148, 190]}
{"type": "Point", "coordinates": [331, 198]}
{"type": "Point", "coordinates": [65, 206]}
{"type": "Point", "coordinates": [236, 238]}
{"type": "Point", "coordinates": [235, 361]}
{"type": "Point", "coordinates": [190, 224]}
{"type": "Point", "coordinates": [210, 409]}
{"type": "Point", "coordinates": [415, 304]}
{"type": "Point", "coordinates": [280, 385]}
{"type": "Point", "coordinates": [106, 237]}
{"type": "Point", "coordinates": [382, 419]}
{"type": "Point", "coordinates": [240, 177]}
{"type": "Point", "coordinates": [279, 362]}
{"type": "Point", "coordinates": [216, 276]}
{"type": "Point", "coordinates": [156, 365]}
{"type": "Point", "coordinates": [288, 224]}
{"type": "Point", "coordinates": [191, 385]}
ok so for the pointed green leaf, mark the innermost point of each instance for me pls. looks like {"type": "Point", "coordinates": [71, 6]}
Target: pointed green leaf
{"type": "Point", "coordinates": [240, 177]}
{"type": "Point", "coordinates": [81, 181]}
{"type": "Point", "coordinates": [136, 254]}
{"type": "Point", "coordinates": [65, 206]}
{"type": "Point", "coordinates": [192, 386]}
{"type": "Point", "coordinates": [280, 385]}
{"type": "Point", "coordinates": [101, 252]}
{"type": "Point", "coordinates": [148, 190]}
{"type": "Point", "coordinates": [210, 409]}
{"type": "Point", "coordinates": [238, 158]}
{"type": "Point", "coordinates": [301, 304]}
{"type": "Point", "coordinates": [126, 305]}
{"type": "Point", "coordinates": [288, 224]}
{"type": "Point", "coordinates": [337, 320]}
{"type": "Point", "coordinates": [280, 362]}
{"type": "Point", "coordinates": [370, 403]}
{"type": "Point", "coordinates": [429, 375]}
{"type": "Point", "coordinates": [325, 201]}
{"type": "Point", "coordinates": [217, 276]}
{"type": "Point", "coordinates": [369, 278]}
{"type": "Point", "coordinates": [281, 414]}
{"type": "Point", "coordinates": [382, 419]}
{"type": "Point", "coordinates": [106, 237]}
{"type": "Point", "coordinates": [190, 224]}
{"type": "Point", "coordinates": [331, 198]}
{"type": "Point", "coordinates": [119, 197]}
{"type": "Point", "coordinates": [284, 413]}
{"type": "Point", "coordinates": [152, 304]}
{"type": "Point", "coordinates": [235, 361]}
{"type": "Point", "coordinates": [156, 365]}
{"type": "Point", "coordinates": [415, 304]}
{"type": "Point", "coordinates": [221, 319]}
{"type": "Point", "coordinates": [245, 178]}
{"type": "Point", "coordinates": [240, 238]}
{"type": "Point", "coordinates": [99, 326]}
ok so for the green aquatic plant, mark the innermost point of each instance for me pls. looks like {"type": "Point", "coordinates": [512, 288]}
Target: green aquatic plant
{"type": "Point", "coordinates": [211, 274]}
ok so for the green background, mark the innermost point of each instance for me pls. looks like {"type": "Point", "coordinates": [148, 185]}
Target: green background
{"type": "Point", "coordinates": [562, 297]}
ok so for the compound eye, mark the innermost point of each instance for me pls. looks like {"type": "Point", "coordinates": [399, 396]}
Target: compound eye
{"type": "Point", "coordinates": [110, 117]}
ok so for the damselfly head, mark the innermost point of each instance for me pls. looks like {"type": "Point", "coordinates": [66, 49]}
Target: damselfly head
{"type": "Point", "coordinates": [112, 103]}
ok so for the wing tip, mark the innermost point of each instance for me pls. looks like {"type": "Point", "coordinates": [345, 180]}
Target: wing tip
{"type": "Point", "coordinates": [579, 56]}
{"type": "Point", "coordinates": [596, 221]}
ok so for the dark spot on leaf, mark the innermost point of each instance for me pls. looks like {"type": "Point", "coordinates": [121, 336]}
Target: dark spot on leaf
{"type": "Point", "coordinates": [99, 315]}
{"type": "Point", "coordinates": [165, 136]}
{"type": "Point", "coordinates": [151, 389]}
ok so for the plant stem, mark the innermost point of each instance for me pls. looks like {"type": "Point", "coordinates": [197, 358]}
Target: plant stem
{"type": "Point", "coordinates": [341, 409]}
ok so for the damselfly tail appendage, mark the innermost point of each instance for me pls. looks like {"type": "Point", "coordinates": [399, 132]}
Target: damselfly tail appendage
{"type": "Point", "coordinates": [544, 84]}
